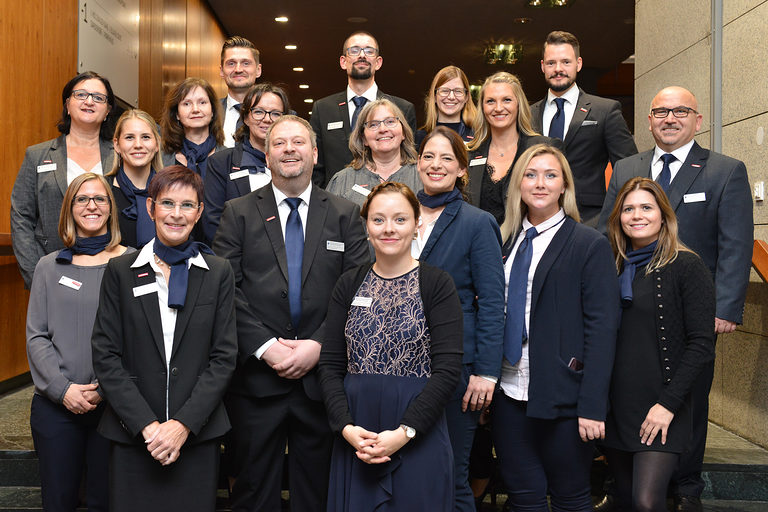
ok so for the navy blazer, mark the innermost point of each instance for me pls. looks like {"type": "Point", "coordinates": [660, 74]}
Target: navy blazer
{"type": "Point", "coordinates": [223, 181]}
{"type": "Point", "coordinates": [466, 243]}
{"type": "Point", "coordinates": [574, 315]}
{"type": "Point", "coordinates": [712, 199]}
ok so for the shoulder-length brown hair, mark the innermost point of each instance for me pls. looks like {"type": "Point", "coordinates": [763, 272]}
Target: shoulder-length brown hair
{"type": "Point", "coordinates": [134, 113]}
{"type": "Point", "coordinates": [67, 226]}
{"type": "Point", "coordinates": [469, 111]}
{"type": "Point", "coordinates": [173, 131]}
{"type": "Point", "coordinates": [482, 128]}
{"type": "Point", "coordinates": [516, 209]}
{"type": "Point", "coordinates": [669, 244]}
{"type": "Point", "coordinates": [361, 153]}
{"type": "Point", "coordinates": [252, 98]}
{"type": "Point", "coordinates": [459, 151]}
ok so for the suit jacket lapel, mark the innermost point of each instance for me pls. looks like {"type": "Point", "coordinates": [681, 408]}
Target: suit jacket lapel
{"type": "Point", "coordinates": [265, 202]}
{"type": "Point", "coordinates": [343, 113]}
{"type": "Point", "coordinates": [693, 165]}
{"type": "Point", "coordinates": [243, 185]}
{"type": "Point", "coordinates": [549, 257]}
{"type": "Point", "coordinates": [318, 210]}
{"type": "Point", "coordinates": [58, 156]}
{"type": "Point", "coordinates": [196, 275]}
{"type": "Point", "coordinates": [537, 113]}
{"type": "Point", "coordinates": [476, 173]}
{"type": "Point", "coordinates": [146, 275]}
{"type": "Point", "coordinates": [582, 109]}
{"type": "Point", "coordinates": [443, 221]}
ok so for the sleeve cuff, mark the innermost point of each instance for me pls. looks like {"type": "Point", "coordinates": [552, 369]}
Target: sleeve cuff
{"type": "Point", "coordinates": [260, 351]}
{"type": "Point", "coordinates": [489, 378]}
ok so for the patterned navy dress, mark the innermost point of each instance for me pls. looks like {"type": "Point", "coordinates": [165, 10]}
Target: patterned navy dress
{"type": "Point", "coordinates": [388, 352]}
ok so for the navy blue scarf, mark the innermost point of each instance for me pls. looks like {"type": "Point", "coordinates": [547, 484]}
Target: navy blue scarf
{"type": "Point", "coordinates": [634, 259]}
{"type": "Point", "coordinates": [439, 200]}
{"type": "Point", "coordinates": [253, 159]}
{"type": "Point", "coordinates": [89, 245]}
{"type": "Point", "coordinates": [177, 257]}
{"type": "Point", "coordinates": [137, 210]}
{"type": "Point", "coordinates": [197, 154]}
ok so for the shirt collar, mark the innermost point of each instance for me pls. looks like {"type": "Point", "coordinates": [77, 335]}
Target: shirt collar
{"type": "Point", "coordinates": [231, 102]}
{"type": "Point", "coordinates": [370, 94]}
{"type": "Point", "coordinates": [147, 256]}
{"type": "Point", "coordinates": [550, 222]}
{"type": "Point", "coordinates": [680, 153]}
{"type": "Point", "coordinates": [280, 197]}
{"type": "Point", "coordinates": [570, 96]}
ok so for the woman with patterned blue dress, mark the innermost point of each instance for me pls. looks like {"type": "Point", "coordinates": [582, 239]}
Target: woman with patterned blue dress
{"type": "Point", "coordinates": [390, 362]}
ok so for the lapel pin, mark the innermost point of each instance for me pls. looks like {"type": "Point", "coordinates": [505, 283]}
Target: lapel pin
{"type": "Point", "coordinates": [236, 168]}
{"type": "Point", "coordinates": [47, 161]}
{"type": "Point", "coordinates": [582, 109]}
{"type": "Point", "coordinates": [342, 103]}
{"type": "Point", "coordinates": [270, 218]}
{"type": "Point", "coordinates": [144, 274]}
{"type": "Point", "coordinates": [695, 165]}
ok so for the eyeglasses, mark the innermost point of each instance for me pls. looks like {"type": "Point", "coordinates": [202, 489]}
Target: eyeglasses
{"type": "Point", "coordinates": [663, 112]}
{"type": "Point", "coordinates": [444, 92]}
{"type": "Point", "coordinates": [82, 95]}
{"type": "Point", "coordinates": [389, 122]}
{"type": "Point", "coordinates": [369, 51]}
{"type": "Point", "coordinates": [258, 114]}
{"type": "Point", "coordinates": [83, 201]}
{"type": "Point", "coordinates": [185, 206]}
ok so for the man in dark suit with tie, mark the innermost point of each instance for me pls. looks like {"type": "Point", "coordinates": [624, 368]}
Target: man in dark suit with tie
{"type": "Point", "coordinates": [333, 116]}
{"type": "Point", "coordinates": [288, 242]}
{"type": "Point", "coordinates": [711, 196]}
{"type": "Point", "coordinates": [592, 128]}
{"type": "Point", "coordinates": [240, 67]}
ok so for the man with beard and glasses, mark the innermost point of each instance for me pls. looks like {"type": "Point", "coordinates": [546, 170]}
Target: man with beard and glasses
{"type": "Point", "coordinates": [288, 243]}
{"type": "Point", "coordinates": [240, 68]}
{"type": "Point", "coordinates": [334, 116]}
{"type": "Point", "coordinates": [591, 128]}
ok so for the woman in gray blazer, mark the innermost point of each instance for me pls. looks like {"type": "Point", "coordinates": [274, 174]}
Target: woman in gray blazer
{"type": "Point", "coordinates": [49, 167]}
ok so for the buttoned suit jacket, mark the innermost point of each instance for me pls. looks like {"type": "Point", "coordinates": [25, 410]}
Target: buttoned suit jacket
{"type": "Point", "coordinates": [250, 237]}
{"type": "Point", "coordinates": [596, 135]}
{"type": "Point", "coordinates": [129, 352]}
{"type": "Point", "coordinates": [36, 201]}
{"type": "Point", "coordinates": [333, 144]}
{"type": "Point", "coordinates": [718, 226]}
{"type": "Point", "coordinates": [220, 188]}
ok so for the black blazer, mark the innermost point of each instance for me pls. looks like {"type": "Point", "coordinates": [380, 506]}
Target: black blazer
{"type": "Point", "coordinates": [712, 199]}
{"type": "Point", "coordinates": [251, 238]}
{"type": "Point", "coordinates": [129, 353]}
{"type": "Point", "coordinates": [220, 187]}
{"type": "Point", "coordinates": [333, 152]}
{"type": "Point", "coordinates": [596, 135]}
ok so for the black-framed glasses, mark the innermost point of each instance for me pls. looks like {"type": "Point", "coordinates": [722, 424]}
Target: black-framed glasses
{"type": "Point", "coordinates": [369, 51]}
{"type": "Point", "coordinates": [258, 114]}
{"type": "Point", "coordinates": [169, 206]}
{"type": "Point", "coordinates": [83, 200]}
{"type": "Point", "coordinates": [389, 122]}
{"type": "Point", "coordinates": [458, 93]}
{"type": "Point", "coordinates": [663, 112]}
{"type": "Point", "coordinates": [82, 95]}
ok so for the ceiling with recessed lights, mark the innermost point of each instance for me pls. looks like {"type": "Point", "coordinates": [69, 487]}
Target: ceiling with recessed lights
{"type": "Point", "coordinates": [418, 37]}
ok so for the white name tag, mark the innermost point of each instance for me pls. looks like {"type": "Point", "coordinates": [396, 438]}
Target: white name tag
{"type": "Point", "coordinates": [588, 122]}
{"type": "Point", "coordinates": [336, 125]}
{"type": "Point", "coordinates": [238, 174]}
{"type": "Point", "coordinates": [334, 246]}
{"type": "Point", "coordinates": [69, 282]}
{"type": "Point", "coordinates": [363, 302]}
{"type": "Point", "coordinates": [478, 161]}
{"type": "Point", "coordinates": [145, 289]}
{"type": "Point", "coordinates": [46, 168]}
{"type": "Point", "coordinates": [361, 190]}
{"type": "Point", "coordinates": [695, 198]}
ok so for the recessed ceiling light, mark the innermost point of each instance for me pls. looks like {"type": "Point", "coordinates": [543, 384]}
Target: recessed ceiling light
{"type": "Point", "coordinates": [303, 86]}
{"type": "Point", "coordinates": [357, 19]}
{"type": "Point", "coordinates": [308, 100]}
{"type": "Point", "coordinates": [310, 112]}
{"type": "Point", "coordinates": [290, 47]}
{"type": "Point", "coordinates": [522, 21]}
{"type": "Point", "coordinates": [282, 19]}
{"type": "Point", "coordinates": [298, 69]}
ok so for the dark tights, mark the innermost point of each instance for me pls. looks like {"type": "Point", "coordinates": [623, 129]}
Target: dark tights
{"type": "Point", "coordinates": [642, 478]}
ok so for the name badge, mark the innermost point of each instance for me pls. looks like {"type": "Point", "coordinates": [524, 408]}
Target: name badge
{"type": "Point", "coordinates": [145, 289]}
{"type": "Point", "coordinates": [478, 161]}
{"type": "Point", "coordinates": [46, 168]}
{"type": "Point", "coordinates": [334, 246]}
{"type": "Point", "coordinates": [695, 198]}
{"type": "Point", "coordinates": [69, 282]}
{"type": "Point", "coordinates": [363, 302]}
{"type": "Point", "coordinates": [238, 174]}
{"type": "Point", "coordinates": [336, 125]}
{"type": "Point", "coordinates": [361, 190]}
{"type": "Point", "coordinates": [588, 122]}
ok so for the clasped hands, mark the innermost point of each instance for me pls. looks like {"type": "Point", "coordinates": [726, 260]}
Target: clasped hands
{"type": "Point", "coordinates": [164, 440]}
{"type": "Point", "coordinates": [81, 398]}
{"type": "Point", "coordinates": [373, 448]}
{"type": "Point", "coordinates": [292, 359]}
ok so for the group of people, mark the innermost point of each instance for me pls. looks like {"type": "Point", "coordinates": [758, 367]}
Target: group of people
{"type": "Point", "coordinates": [365, 294]}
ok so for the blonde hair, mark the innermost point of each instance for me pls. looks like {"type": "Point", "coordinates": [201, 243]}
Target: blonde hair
{"type": "Point", "coordinates": [134, 113]}
{"type": "Point", "coordinates": [361, 154]}
{"type": "Point", "coordinates": [668, 245]}
{"type": "Point", "coordinates": [516, 209]}
{"type": "Point", "coordinates": [468, 113]}
{"type": "Point", "coordinates": [67, 225]}
{"type": "Point", "coordinates": [481, 126]}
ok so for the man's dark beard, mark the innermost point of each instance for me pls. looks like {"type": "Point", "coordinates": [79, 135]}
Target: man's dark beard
{"type": "Point", "coordinates": [361, 74]}
{"type": "Point", "coordinates": [560, 87]}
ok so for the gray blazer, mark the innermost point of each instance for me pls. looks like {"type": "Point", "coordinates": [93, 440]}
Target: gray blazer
{"type": "Point", "coordinates": [36, 201]}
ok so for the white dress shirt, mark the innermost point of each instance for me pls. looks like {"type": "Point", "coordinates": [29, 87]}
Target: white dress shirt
{"type": "Point", "coordinates": [571, 97]}
{"type": "Point", "coordinates": [657, 163]}
{"type": "Point", "coordinates": [231, 115]}
{"type": "Point", "coordinates": [370, 95]}
{"type": "Point", "coordinates": [74, 170]}
{"type": "Point", "coordinates": [258, 180]}
{"type": "Point", "coordinates": [516, 378]}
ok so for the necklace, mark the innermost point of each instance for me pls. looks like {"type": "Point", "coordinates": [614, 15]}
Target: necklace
{"type": "Point", "coordinates": [159, 262]}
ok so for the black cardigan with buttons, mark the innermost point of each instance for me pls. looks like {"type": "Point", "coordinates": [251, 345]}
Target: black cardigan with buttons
{"type": "Point", "coordinates": [684, 301]}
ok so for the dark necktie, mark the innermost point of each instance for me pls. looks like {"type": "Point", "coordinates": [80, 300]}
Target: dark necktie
{"type": "Point", "coordinates": [557, 127]}
{"type": "Point", "coordinates": [359, 102]}
{"type": "Point", "coordinates": [294, 250]}
{"type": "Point", "coordinates": [514, 326]}
{"type": "Point", "coordinates": [239, 118]}
{"type": "Point", "coordinates": [665, 177]}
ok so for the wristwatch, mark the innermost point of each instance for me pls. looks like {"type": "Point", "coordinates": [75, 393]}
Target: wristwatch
{"type": "Point", "coordinates": [410, 432]}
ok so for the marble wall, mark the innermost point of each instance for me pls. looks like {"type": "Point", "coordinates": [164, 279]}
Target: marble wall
{"type": "Point", "coordinates": [673, 47]}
